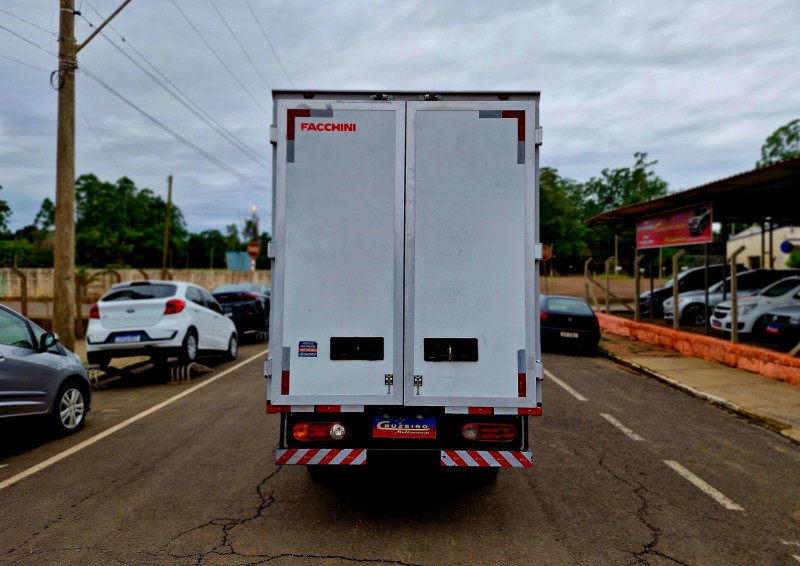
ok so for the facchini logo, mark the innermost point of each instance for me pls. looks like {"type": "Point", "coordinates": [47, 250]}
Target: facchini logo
{"type": "Point", "coordinates": [327, 127]}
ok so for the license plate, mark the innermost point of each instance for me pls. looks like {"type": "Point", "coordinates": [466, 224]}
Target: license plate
{"type": "Point", "coordinates": [403, 427]}
{"type": "Point", "coordinates": [127, 338]}
{"type": "Point", "coordinates": [773, 329]}
{"type": "Point", "coordinates": [565, 334]}
{"type": "Point", "coordinates": [716, 323]}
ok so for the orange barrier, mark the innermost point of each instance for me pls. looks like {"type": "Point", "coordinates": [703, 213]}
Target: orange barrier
{"type": "Point", "coordinates": [750, 358]}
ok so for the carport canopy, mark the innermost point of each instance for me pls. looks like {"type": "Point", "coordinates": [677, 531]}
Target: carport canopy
{"type": "Point", "coordinates": [771, 193]}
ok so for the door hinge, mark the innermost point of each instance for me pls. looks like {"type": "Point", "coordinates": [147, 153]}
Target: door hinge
{"type": "Point", "coordinates": [417, 383]}
{"type": "Point", "coordinates": [273, 134]}
{"type": "Point", "coordinates": [537, 135]}
{"type": "Point", "coordinates": [538, 252]}
{"type": "Point", "coordinates": [388, 381]}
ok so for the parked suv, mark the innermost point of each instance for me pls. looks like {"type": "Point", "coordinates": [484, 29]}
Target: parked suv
{"type": "Point", "coordinates": [159, 319]}
{"type": "Point", "coordinates": [691, 304]}
{"type": "Point", "coordinates": [750, 310]}
{"type": "Point", "coordinates": [688, 280]}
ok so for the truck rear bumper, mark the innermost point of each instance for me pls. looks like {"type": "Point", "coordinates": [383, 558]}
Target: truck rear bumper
{"type": "Point", "coordinates": [448, 458]}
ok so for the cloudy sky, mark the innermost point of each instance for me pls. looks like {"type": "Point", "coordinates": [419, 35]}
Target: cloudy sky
{"type": "Point", "coordinates": [182, 87]}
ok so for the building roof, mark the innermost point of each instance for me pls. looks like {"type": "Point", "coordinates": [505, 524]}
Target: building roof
{"type": "Point", "coordinates": [772, 192]}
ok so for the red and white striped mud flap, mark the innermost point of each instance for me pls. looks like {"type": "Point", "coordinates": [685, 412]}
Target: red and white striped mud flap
{"type": "Point", "coordinates": [487, 458]}
{"type": "Point", "coordinates": [321, 456]}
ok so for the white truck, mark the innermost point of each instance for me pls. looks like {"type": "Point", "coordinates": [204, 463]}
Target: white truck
{"type": "Point", "coordinates": [405, 279]}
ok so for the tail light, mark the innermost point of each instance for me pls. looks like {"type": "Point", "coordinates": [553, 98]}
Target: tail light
{"type": "Point", "coordinates": [489, 432]}
{"type": "Point", "coordinates": [543, 316]}
{"type": "Point", "coordinates": [174, 306]}
{"type": "Point", "coordinates": [314, 432]}
{"type": "Point", "coordinates": [249, 296]}
{"type": "Point", "coordinates": [94, 312]}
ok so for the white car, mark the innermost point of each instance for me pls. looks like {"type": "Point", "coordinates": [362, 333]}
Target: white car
{"type": "Point", "coordinates": [160, 319]}
{"type": "Point", "coordinates": [691, 304]}
{"type": "Point", "coordinates": [750, 310]}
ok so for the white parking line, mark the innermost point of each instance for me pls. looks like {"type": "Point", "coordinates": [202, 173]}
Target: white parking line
{"type": "Point", "coordinates": [704, 487]}
{"type": "Point", "coordinates": [796, 557]}
{"type": "Point", "coordinates": [116, 428]}
{"type": "Point", "coordinates": [564, 386]}
{"type": "Point", "coordinates": [632, 435]}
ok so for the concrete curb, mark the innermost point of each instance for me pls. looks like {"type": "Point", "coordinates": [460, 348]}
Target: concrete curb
{"type": "Point", "coordinates": [784, 429]}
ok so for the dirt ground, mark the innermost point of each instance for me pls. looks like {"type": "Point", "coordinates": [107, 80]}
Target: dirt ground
{"type": "Point", "coordinates": [624, 289]}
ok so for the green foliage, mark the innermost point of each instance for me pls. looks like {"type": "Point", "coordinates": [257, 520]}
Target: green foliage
{"type": "Point", "coordinates": [613, 189]}
{"type": "Point", "coordinates": [5, 212]}
{"type": "Point", "coordinates": [794, 258]}
{"type": "Point", "coordinates": [560, 223]}
{"type": "Point", "coordinates": [782, 144]}
{"type": "Point", "coordinates": [118, 223]}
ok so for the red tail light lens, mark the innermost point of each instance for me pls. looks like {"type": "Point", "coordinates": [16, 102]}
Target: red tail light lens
{"type": "Point", "coordinates": [94, 312]}
{"type": "Point", "coordinates": [489, 432]}
{"type": "Point", "coordinates": [249, 296]}
{"type": "Point", "coordinates": [315, 432]}
{"type": "Point", "coordinates": [174, 306]}
{"type": "Point", "coordinates": [543, 316]}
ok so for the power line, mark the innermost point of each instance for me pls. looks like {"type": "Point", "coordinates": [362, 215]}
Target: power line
{"type": "Point", "coordinates": [100, 141]}
{"type": "Point", "coordinates": [200, 35]}
{"type": "Point", "coordinates": [236, 38]}
{"type": "Point", "coordinates": [23, 63]}
{"type": "Point", "coordinates": [27, 41]}
{"type": "Point", "coordinates": [264, 33]}
{"type": "Point", "coordinates": [206, 117]}
{"type": "Point", "coordinates": [210, 158]}
{"type": "Point", "coordinates": [27, 22]}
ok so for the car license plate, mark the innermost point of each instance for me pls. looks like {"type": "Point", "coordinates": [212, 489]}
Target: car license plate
{"type": "Point", "coordinates": [565, 334]}
{"type": "Point", "coordinates": [127, 338]}
{"type": "Point", "coordinates": [773, 329]}
{"type": "Point", "coordinates": [403, 427]}
{"type": "Point", "coordinates": [716, 323]}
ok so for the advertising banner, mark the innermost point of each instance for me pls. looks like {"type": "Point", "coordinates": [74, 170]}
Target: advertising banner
{"type": "Point", "coordinates": [681, 227]}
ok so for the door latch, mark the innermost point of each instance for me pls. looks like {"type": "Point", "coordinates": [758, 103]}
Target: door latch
{"type": "Point", "coordinates": [388, 381]}
{"type": "Point", "coordinates": [417, 382]}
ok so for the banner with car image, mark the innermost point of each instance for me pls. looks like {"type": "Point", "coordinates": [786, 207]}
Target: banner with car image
{"type": "Point", "coordinates": [680, 227]}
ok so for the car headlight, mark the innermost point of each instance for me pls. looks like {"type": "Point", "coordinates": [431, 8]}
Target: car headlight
{"type": "Point", "coordinates": [794, 319]}
{"type": "Point", "coordinates": [741, 311]}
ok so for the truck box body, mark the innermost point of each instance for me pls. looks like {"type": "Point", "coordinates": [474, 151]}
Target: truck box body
{"type": "Point", "coordinates": [405, 275]}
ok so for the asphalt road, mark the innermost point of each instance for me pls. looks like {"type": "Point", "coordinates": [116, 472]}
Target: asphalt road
{"type": "Point", "coordinates": [627, 471]}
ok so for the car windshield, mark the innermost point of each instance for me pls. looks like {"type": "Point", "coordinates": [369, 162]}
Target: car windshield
{"type": "Point", "coordinates": [141, 292]}
{"type": "Point", "coordinates": [235, 288]}
{"type": "Point", "coordinates": [780, 288]}
{"type": "Point", "coordinates": [566, 305]}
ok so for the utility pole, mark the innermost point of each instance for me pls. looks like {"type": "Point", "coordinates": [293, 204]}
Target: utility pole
{"type": "Point", "coordinates": [64, 303]}
{"type": "Point", "coordinates": [166, 228]}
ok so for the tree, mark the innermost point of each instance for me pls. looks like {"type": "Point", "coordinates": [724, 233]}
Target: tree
{"type": "Point", "coordinates": [121, 225]}
{"type": "Point", "coordinates": [5, 212]}
{"type": "Point", "coordinates": [782, 144]}
{"type": "Point", "coordinates": [46, 217]}
{"type": "Point", "coordinates": [561, 223]}
{"type": "Point", "coordinates": [616, 188]}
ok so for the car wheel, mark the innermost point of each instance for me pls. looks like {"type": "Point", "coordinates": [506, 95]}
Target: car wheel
{"type": "Point", "coordinates": [694, 315]}
{"type": "Point", "coordinates": [98, 359]}
{"type": "Point", "coordinates": [233, 348]}
{"type": "Point", "coordinates": [189, 347]}
{"type": "Point", "coordinates": [69, 408]}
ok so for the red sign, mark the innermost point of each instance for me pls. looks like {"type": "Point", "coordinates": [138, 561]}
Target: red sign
{"type": "Point", "coordinates": [682, 227]}
{"type": "Point", "coordinates": [253, 249]}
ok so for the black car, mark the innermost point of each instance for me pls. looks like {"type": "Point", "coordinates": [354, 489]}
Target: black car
{"type": "Point", "coordinates": [782, 324]}
{"type": "Point", "coordinates": [689, 280]}
{"type": "Point", "coordinates": [247, 305]}
{"type": "Point", "coordinates": [568, 323]}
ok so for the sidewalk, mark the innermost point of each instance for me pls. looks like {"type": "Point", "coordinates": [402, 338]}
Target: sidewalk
{"type": "Point", "coordinates": [773, 402]}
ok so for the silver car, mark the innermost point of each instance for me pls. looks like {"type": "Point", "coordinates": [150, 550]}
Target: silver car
{"type": "Point", "coordinates": [39, 376]}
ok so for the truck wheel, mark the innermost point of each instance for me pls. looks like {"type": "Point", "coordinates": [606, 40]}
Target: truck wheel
{"type": "Point", "coordinates": [69, 408]}
{"type": "Point", "coordinates": [189, 348]}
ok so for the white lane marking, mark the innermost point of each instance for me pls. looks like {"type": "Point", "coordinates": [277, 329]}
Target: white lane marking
{"type": "Point", "coordinates": [564, 386]}
{"type": "Point", "coordinates": [632, 435]}
{"type": "Point", "coordinates": [3, 466]}
{"type": "Point", "coordinates": [116, 428]}
{"type": "Point", "coordinates": [704, 487]}
{"type": "Point", "coordinates": [790, 543]}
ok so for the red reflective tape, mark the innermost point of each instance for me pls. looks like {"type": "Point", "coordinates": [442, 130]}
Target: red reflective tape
{"type": "Point", "coordinates": [532, 411]}
{"type": "Point", "coordinates": [522, 459]}
{"type": "Point", "coordinates": [278, 408]}
{"type": "Point", "coordinates": [284, 383]}
{"type": "Point", "coordinates": [286, 456]}
{"type": "Point", "coordinates": [352, 456]}
{"type": "Point", "coordinates": [456, 458]}
{"type": "Point", "coordinates": [522, 385]}
{"type": "Point", "coordinates": [500, 459]}
{"type": "Point", "coordinates": [329, 408]}
{"type": "Point", "coordinates": [291, 114]}
{"type": "Point", "coordinates": [520, 116]}
{"type": "Point", "coordinates": [306, 458]}
{"type": "Point", "coordinates": [481, 411]}
{"type": "Point", "coordinates": [478, 459]}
